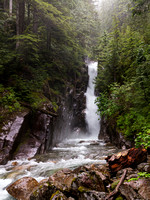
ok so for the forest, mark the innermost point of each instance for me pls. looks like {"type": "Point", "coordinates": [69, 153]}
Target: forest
{"type": "Point", "coordinates": [44, 43]}
{"type": "Point", "coordinates": [124, 68]}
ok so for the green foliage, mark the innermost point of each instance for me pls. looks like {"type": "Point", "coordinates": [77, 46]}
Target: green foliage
{"type": "Point", "coordinates": [123, 79]}
{"type": "Point", "coordinates": [43, 49]}
{"type": "Point", "coordinates": [8, 101]}
{"type": "Point", "coordinates": [143, 139]}
{"type": "Point", "coordinates": [140, 175]}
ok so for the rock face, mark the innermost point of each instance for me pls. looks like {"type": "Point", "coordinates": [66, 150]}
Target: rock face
{"type": "Point", "coordinates": [22, 188]}
{"type": "Point", "coordinates": [71, 115]}
{"type": "Point", "coordinates": [109, 134]}
{"type": "Point", "coordinates": [24, 136]}
{"type": "Point", "coordinates": [30, 133]}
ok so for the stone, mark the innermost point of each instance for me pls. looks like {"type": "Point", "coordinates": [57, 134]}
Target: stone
{"type": "Point", "coordinates": [144, 190]}
{"type": "Point", "coordinates": [58, 195]}
{"type": "Point", "coordinates": [128, 193]}
{"type": "Point", "coordinates": [10, 133]}
{"type": "Point", "coordinates": [144, 167]}
{"type": "Point", "coordinates": [62, 179]}
{"type": "Point", "coordinates": [88, 180]}
{"type": "Point", "coordinates": [17, 170]}
{"type": "Point", "coordinates": [22, 188]}
{"type": "Point", "coordinates": [92, 195]}
{"type": "Point", "coordinates": [43, 192]}
{"type": "Point", "coordinates": [142, 185]}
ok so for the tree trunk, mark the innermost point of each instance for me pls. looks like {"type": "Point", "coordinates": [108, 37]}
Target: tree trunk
{"type": "Point", "coordinates": [128, 158]}
{"type": "Point", "coordinates": [6, 5]}
{"type": "Point", "coordinates": [20, 18]}
{"type": "Point", "coordinates": [10, 7]}
{"type": "Point", "coordinates": [35, 20]}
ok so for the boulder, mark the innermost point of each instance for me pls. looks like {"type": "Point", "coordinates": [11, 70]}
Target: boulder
{"type": "Point", "coordinates": [89, 180]}
{"type": "Point", "coordinates": [129, 193]}
{"type": "Point", "coordinates": [142, 185]}
{"type": "Point", "coordinates": [91, 195]}
{"type": "Point", "coordinates": [144, 190]}
{"type": "Point", "coordinates": [22, 188]}
{"type": "Point", "coordinates": [62, 179]}
{"type": "Point", "coordinates": [58, 195]}
{"type": "Point", "coordinates": [144, 167]}
{"type": "Point", "coordinates": [43, 192]}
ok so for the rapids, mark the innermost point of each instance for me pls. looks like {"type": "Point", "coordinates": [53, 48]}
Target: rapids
{"type": "Point", "coordinates": [71, 153]}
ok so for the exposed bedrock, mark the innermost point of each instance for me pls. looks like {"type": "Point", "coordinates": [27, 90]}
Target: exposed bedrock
{"type": "Point", "coordinates": [29, 133]}
{"type": "Point", "coordinates": [109, 134]}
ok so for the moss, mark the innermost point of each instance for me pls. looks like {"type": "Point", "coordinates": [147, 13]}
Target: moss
{"type": "Point", "coordinates": [82, 189]}
{"type": "Point", "coordinates": [114, 184]}
{"type": "Point", "coordinates": [35, 193]}
{"type": "Point", "coordinates": [59, 197]}
{"type": "Point", "coordinates": [119, 198]}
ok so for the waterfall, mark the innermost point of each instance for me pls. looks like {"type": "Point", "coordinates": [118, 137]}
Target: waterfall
{"type": "Point", "coordinates": [91, 108]}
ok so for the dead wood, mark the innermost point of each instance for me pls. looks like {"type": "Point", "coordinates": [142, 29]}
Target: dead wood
{"type": "Point", "coordinates": [117, 188]}
{"type": "Point", "coordinates": [128, 158]}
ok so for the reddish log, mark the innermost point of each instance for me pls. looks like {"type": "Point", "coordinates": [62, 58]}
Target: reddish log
{"type": "Point", "coordinates": [128, 158]}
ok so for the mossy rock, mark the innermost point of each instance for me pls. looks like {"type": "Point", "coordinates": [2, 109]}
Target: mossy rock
{"type": "Point", "coordinates": [119, 198]}
{"type": "Point", "coordinates": [83, 189]}
{"type": "Point", "coordinates": [114, 184]}
{"type": "Point", "coordinates": [58, 196]}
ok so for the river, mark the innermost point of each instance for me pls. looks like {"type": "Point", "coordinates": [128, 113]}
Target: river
{"type": "Point", "coordinates": [71, 153]}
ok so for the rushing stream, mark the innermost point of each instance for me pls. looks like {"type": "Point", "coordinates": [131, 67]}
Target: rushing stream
{"type": "Point", "coordinates": [71, 153]}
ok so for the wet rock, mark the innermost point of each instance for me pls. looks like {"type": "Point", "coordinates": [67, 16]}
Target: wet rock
{"type": "Point", "coordinates": [94, 143]}
{"type": "Point", "coordinates": [62, 179]}
{"type": "Point", "coordinates": [43, 192]}
{"type": "Point", "coordinates": [109, 134]}
{"type": "Point", "coordinates": [131, 173]}
{"type": "Point", "coordinates": [128, 193]}
{"type": "Point", "coordinates": [144, 167]}
{"type": "Point", "coordinates": [22, 188]}
{"type": "Point", "coordinates": [142, 186]}
{"type": "Point", "coordinates": [36, 135]}
{"type": "Point", "coordinates": [14, 163]}
{"type": "Point", "coordinates": [91, 195]}
{"type": "Point", "coordinates": [10, 135]}
{"type": "Point", "coordinates": [58, 195]}
{"type": "Point", "coordinates": [17, 170]}
{"type": "Point", "coordinates": [144, 190]}
{"type": "Point", "coordinates": [88, 180]}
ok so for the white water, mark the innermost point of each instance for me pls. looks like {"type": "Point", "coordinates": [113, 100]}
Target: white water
{"type": "Point", "coordinates": [71, 153]}
{"type": "Point", "coordinates": [91, 117]}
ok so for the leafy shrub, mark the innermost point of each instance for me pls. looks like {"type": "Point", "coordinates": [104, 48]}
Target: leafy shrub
{"type": "Point", "coordinates": [143, 139]}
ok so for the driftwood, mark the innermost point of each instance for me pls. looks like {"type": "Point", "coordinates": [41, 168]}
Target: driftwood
{"type": "Point", "coordinates": [113, 193]}
{"type": "Point", "coordinates": [128, 158]}
{"type": "Point", "coordinates": [39, 109]}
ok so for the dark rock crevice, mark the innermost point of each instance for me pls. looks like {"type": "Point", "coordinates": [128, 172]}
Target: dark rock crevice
{"type": "Point", "coordinates": [109, 134]}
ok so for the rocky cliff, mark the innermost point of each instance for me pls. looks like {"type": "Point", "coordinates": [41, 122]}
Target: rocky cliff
{"type": "Point", "coordinates": [30, 132]}
{"type": "Point", "coordinates": [110, 134]}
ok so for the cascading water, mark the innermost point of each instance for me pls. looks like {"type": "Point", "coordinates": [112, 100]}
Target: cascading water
{"type": "Point", "coordinates": [91, 108]}
{"type": "Point", "coordinates": [71, 153]}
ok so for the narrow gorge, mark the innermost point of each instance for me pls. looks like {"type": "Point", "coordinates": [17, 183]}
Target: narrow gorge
{"type": "Point", "coordinates": [67, 141]}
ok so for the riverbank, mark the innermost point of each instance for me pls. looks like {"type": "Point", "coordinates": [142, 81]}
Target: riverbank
{"type": "Point", "coordinates": [88, 182]}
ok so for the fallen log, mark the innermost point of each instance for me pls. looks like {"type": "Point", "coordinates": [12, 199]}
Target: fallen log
{"type": "Point", "coordinates": [113, 193]}
{"type": "Point", "coordinates": [128, 158]}
{"type": "Point", "coordinates": [39, 109]}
